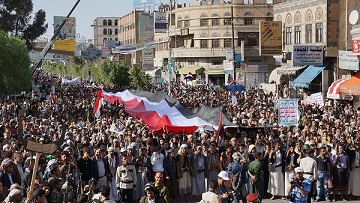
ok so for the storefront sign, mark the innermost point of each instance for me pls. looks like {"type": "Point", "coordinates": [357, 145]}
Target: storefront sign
{"type": "Point", "coordinates": [308, 55]}
{"type": "Point", "coordinates": [348, 61]}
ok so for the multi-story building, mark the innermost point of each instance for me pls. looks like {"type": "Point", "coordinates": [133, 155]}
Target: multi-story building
{"type": "Point", "coordinates": [105, 32]}
{"type": "Point", "coordinates": [311, 23]}
{"type": "Point", "coordinates": [129, 34]}
{"type": "Point", "coordinates": [202, 32]}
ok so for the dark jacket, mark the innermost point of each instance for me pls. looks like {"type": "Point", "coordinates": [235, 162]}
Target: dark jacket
{"type": "Point", "coordinates": [96, 170]}
{"type": "Point", "coordinates": [6, 180]}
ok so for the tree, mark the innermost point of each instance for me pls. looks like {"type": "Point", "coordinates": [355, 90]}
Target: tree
{"type": "Point", "coordinates": [15, 18]}
{"type": "Point", "coordinates": [15, 73]}
{"type": "Point", "coordinates": [111, 73]}
{"type": "Point", "coordinates": [138, 78]}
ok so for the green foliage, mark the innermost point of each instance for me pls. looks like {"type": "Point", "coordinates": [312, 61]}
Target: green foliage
{"type": "Point", "coordinates": [15, 73]}
{"type": "Point", "coordinates": [102, 71]}
{"type": "Point", "coordinates": [138, 78]}
{"type": "Point", "coordinates": [15, 18]}
{"type": "Point", "coordinates": [112, 73]}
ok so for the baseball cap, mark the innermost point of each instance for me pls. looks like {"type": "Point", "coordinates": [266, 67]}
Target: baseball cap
{"type": "Point", "coordinates": [224, 175]}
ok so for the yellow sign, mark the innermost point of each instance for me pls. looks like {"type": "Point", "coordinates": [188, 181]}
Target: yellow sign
{"type": "Point", "coordinates": [270, 38]}
{"type": "Point", "coordinates": [65, 45]}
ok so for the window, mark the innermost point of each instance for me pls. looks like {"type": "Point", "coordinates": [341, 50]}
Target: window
{"type": "Point", "coordinates": [203, 22]}
{"type": "Point", "coordinates": [203, 43]}
{"type": "Point", "coordinates": [248, 2]}
{"type": "Point", "coordinates": [104, 22]}
{"type": "Point", "coordinates": [215, 22]}
{"type": "Point", "coordinates": [109, 22]}
{"type": "Point", "coordinates": [179, 24]}
{"type": "Point", "coordinates": [110, 31]}
{"type": "Point", "coordinates": [319, 32]}
{"type": "Point", "coordinates": [215, 43]}
{"type": "Point", "coordinates": [116, 31]}
{"type": "Point", "coordinates": [186, 23]}
{"type": "Point", "coordinates": [308, 33]}
{"type": "Point", "coordinates": [227, 43]}
{"type": "Point", "coordinates": [104, 31]}
{"type": "Point", "coordinates": [116, 39]}
{"type": "Point", "coordinates": [288, 35]}
{"type": "Point", "coordinates": [252, 39]}
{"type": "Point", "coordinates": [248, 21]}
{"type": "Point", "coordinates": [216, 63]}
{"type": "Point", "coordinates": [191, 62]}
{"type": "Point", "coordinates": [227, 21]}
{"type": "Point", "coordinates": [116, 22]}
{"type": "Point", "coordinates": [297, 34]}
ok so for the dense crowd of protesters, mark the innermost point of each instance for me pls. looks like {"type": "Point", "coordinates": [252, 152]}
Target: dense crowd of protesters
{"type": "Point", "coordinates": [117, 158]}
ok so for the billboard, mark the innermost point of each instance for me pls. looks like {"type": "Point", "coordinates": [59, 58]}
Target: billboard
{"type": "Point", "coordinates": [348, 61]}
{"type": "Point", "coordinates": [308, 55]}
{"type": "Point", "coordinates": [143, 3]}
{"type": "Point", "coordinates": [147, 58]}
{"type": "Point", "coordinates": [270, 34]}
{"type": "Point", "coordinates": [66, 39]}
{"type": "Point", "coordinates": [160, 22]}
{"type": "Point", "coordinates": [146, 28]}
{"type": "Point", "coordinates": [65, 45]}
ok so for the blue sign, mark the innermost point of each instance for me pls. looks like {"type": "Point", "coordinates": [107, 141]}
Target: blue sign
{"type": "Point", "coordinates": [237, 57]}
{"type": "Point", "coordinates": [143, 3]}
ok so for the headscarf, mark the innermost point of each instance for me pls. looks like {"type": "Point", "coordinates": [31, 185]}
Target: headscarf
{"type": "Point", "coordinates": [5, 163]}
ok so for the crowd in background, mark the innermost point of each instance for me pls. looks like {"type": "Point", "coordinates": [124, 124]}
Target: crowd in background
{"type": "Point", "coordinates": [117, 158]}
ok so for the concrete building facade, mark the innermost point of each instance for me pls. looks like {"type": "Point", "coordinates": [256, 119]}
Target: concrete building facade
{"type": "Point", "coordinates": [105, 32]}
{"type": "Point", "coordinates": [202, 32]}
{"type": "Point", "coordinates": [311, 23]}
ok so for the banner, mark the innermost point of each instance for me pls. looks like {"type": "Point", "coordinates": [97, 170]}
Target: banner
{"type": "Point", "coordinates": [308, 55]}
{"type": "Point", "coordinates": [147, 58]}
{"type": "Point", "coordinates": [348, 61]}
{"type": "Point", "coordinates": [288, 112]}
{"type": "Point", "coordinates": [74, 81]}
{"type": "Point", "coordinates": [146, 28]}
{"type": "Point", "coordinates": [160, 22]}
{"type": "Point", "coordinates": [67, 32]}
{"type": "Point", "coordinates": [270, 35]}
{"type": "Point", "coordinates": [314, 99]}
{"type": "Point", "coordinates": [143, 3]}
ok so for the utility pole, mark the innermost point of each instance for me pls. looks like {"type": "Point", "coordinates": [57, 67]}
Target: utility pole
{"type": "Point", "coordinates": [233, 40]}
{"type": "Point", "coordinates": [169, 66]}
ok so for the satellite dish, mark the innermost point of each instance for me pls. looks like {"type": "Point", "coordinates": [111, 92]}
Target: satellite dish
{"type": "Point", "coordinates": [353, 17]}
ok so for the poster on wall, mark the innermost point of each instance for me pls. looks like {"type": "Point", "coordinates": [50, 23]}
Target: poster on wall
{"type": "Point", "coordinates": [288, 112]}
{"type": "Point", "coordinates": [147, 58]}
{"type": "Point", "coordinates": [146, 28]}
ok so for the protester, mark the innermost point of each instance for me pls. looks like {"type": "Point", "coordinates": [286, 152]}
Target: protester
{"type": "Point", "coordinates": [92, 146]}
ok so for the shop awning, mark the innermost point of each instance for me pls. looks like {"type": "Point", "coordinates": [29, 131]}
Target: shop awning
{"type": "Point", "coordinates": [192, 70]}
{"type": "Point", "coordinates": [288, 69]}
{"type": "Point", "coordinates": [334, 89]}
{"type": "Point", "coordinates": [352, 85]}
{"type": "Point", "coordinates": [305, 78]}
{"type": "Point", "coordinates": [214, 72]}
